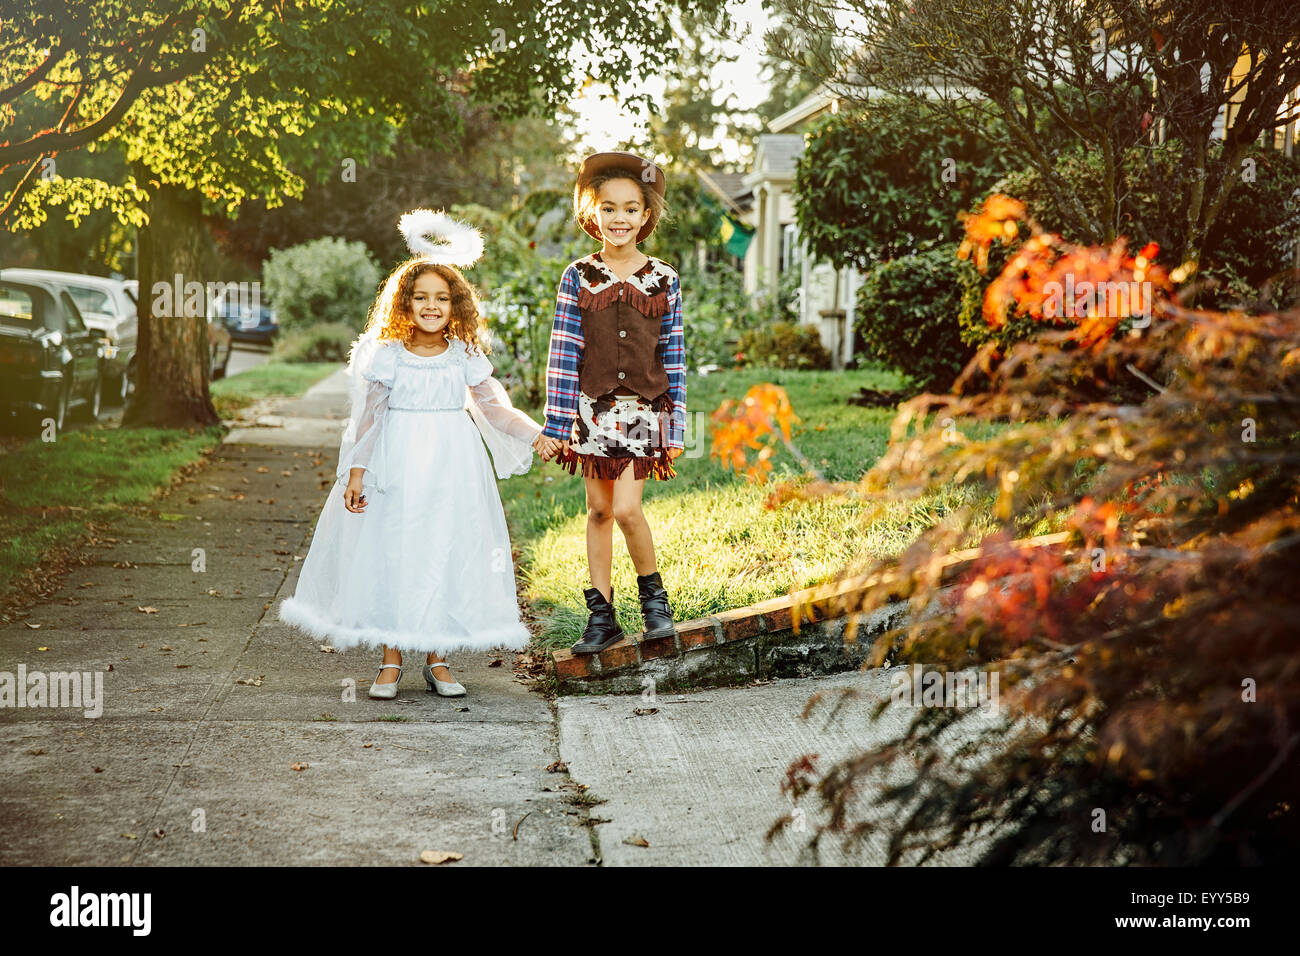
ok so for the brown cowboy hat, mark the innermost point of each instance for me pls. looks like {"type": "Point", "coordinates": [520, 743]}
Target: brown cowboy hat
{"type": "Point", "coordinates": [631, 163]}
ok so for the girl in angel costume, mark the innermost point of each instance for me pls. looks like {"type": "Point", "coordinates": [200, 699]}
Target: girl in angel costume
{"type": "Point", "coordinates": [411, 550]}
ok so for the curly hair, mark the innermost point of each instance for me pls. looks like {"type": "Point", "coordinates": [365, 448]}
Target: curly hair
{"type": "Point", "coordinates": [585, 203]}
{"type": "Point", "coordinates": [393, 315]}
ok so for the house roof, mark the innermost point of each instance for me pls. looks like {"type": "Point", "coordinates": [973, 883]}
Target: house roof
{"type": "Point", "coordinates": [814, 103]}
{"type": "Point", "coordinates": [729, 187]}
{"type": "Point", "coordinates": [776, 155]}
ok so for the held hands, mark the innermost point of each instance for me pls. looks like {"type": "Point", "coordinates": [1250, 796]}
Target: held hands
{"type": "Point", "coordinates": [547, 447]}
{"type": "Point", "coordinates": [353, 498]}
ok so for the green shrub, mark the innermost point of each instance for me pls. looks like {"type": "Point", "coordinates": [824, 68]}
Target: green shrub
{"type": "Point", "coordinates": [885, 180]}
{"type": "Point", "coordinates": [907, 313]}
{"type": "Point", "coordinates": [325, 342]}
{"type": "Point", "coordinates": [784, 345]}
{"type": "Point", "coordinates": [716, 313]}
{"type": "Point", "coordinates": [326, 280]}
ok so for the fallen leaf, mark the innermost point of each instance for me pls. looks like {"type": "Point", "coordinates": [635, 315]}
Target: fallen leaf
{"type": "Point", "coordinates": [34, 627]}
{"type": "Point", "coordinates": [440, 856]}
{"type": "Point", "coordinates": [558, 766]}
{"type": "Point", "coordinates": [644, 711]}
{"type": "Point", "coordinates": [36, 751]}
{"type": "Point", "coordinates": [636, 841]}
{"type": "Point", "coordinates": [147, 610]}
{"type": "Point", "coordinates": [300, 765]}
{"type": "Point", "coordinates": [130, 836]}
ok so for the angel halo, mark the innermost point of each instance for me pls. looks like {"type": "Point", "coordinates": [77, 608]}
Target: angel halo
{"type": "Point", "coordinates": [461, 245]}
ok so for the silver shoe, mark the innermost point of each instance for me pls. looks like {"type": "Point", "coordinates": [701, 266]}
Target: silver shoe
{"type": "Point", "coordinates": [385, 691]}
{"type": "Point", "coordinates": [441, 687]}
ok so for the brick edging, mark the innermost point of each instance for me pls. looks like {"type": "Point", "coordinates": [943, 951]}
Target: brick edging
{"type": "Point", "coordinates": [780, 616]}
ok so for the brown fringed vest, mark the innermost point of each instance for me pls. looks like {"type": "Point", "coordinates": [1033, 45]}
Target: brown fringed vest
{"type": "Point", "coordinates": [621, 320]}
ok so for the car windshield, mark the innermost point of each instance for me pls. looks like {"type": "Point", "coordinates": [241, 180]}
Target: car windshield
{"type": "Point", "coordinates": [93, 300]}
{"type": "Point", "coordinates": [16, 307]}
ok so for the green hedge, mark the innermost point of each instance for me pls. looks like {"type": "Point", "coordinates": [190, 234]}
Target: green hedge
{"type": "Point", "coordinates": [783, 345]}
{"type": "Point", "coordinates": [326, 342]}
{"type": "Point", "coordinates": [326, 280]}
{"type": "Point", "coordinates": [908, 314]}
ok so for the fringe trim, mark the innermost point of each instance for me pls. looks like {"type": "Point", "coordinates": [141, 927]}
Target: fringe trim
{"type": "Point", "coordinates": [653, 306]}
{"type": "Point", "coordinates": [659, 467]}
{"type": "Point", "coordinates": [323, 628]}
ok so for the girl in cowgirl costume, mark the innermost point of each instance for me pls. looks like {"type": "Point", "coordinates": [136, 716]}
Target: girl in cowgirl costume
{"type": "Point", "coordinates": [616, 380]}
{"type": "Point", "coordinates": [411, 550]}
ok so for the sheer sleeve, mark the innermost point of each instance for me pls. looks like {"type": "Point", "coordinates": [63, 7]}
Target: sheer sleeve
{"type": "Point", "coordinates": [494, 402]}
{"type": "Point", "coordinates": [361, 436]}
{"type": "Point", "coordinates": [372, 370]}
{"type": "Point", "coordinates": [508, 432]}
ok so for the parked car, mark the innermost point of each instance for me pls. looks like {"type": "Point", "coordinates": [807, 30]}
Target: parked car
{"type": "Point", "coordinates": [50, 361]}
{"type": "Point", "coordinates": [246, 321]}
{"type": "Point", "coordinates": [107, 309]}
{"type": "Point", "coordinates": [220, 344]}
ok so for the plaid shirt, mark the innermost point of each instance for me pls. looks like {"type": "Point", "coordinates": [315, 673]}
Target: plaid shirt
{"type": "Point", "coordinates": [566, 353]}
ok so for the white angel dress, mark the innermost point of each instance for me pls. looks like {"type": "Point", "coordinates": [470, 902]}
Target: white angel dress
{"type": "Point", "coordinates": [427, 565]}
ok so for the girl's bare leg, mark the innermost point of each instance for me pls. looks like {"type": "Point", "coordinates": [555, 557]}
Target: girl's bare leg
{"type": "Point", "coordinates": [391, 656]}
{"type": "Point", "coordinates": [631, 521]}
{"type": "Point", "coordinates": [600, 532]}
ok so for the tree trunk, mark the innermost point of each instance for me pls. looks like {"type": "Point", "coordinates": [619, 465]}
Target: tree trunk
{"type": "Point", "coordinates": [173, 364]}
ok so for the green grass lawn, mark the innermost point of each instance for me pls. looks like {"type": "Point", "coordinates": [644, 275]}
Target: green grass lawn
{"type": "Point", "coordinates": [270, 378]}
{"type": "Point", "coordinates": [717, 547]}
{"type": "Point", "coordinates": [53, 489]}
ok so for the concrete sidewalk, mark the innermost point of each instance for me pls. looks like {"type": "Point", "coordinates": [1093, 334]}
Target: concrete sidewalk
{"type": "Point", "coordinates": [210, 701]}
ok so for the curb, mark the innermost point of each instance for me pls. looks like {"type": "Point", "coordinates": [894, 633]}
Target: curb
{"type": "Point", "coordinates": [799, 634]}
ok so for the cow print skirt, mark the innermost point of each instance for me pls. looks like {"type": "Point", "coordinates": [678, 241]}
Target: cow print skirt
{"type": "Point", "coordinates": [615, 429]}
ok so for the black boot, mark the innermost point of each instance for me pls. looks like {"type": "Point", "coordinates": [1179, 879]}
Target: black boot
{"type": "Point", "coordinates": [654, 606]}
{"type": "Point", "coordinates": [602, 627]}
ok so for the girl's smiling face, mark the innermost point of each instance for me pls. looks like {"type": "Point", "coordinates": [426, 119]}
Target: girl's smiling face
{"type": "Point", "coordinates": [622, 212]}
{"type": "Point", "coordinates": [431, 302]}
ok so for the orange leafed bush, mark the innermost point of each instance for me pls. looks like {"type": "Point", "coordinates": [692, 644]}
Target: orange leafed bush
{"type": "Point", "coordinates": [1150, 664]}
{"type": "Point", "coordinates": [753, 422]}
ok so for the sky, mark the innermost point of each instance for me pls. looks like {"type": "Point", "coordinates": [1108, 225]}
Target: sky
{"type": "Point", "coordinates": [603, 125]}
